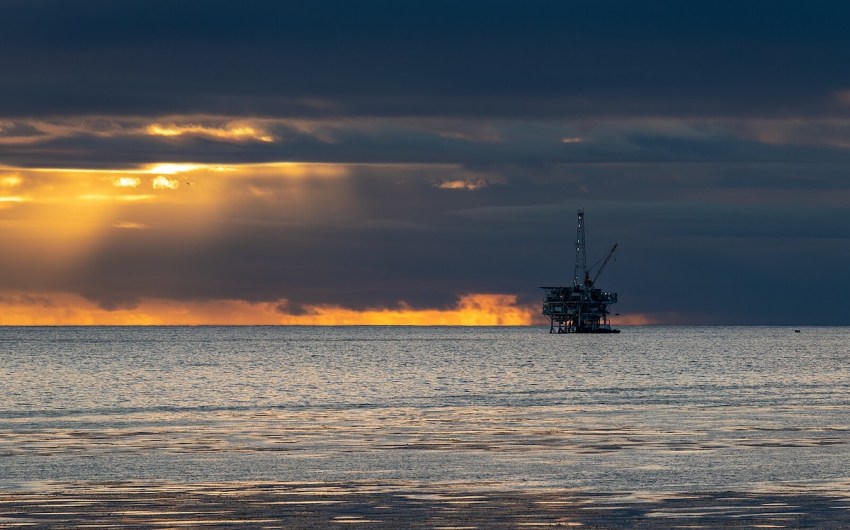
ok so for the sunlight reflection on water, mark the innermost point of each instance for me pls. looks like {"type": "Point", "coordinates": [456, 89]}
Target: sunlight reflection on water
{"type": "Point", "coordinates": [651, 409]}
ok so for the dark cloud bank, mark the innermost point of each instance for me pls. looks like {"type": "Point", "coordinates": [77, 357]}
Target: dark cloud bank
{"type": "Point", "coordinates": [435, 58]}
{"type": "Point", "coordinates": [710, 139]}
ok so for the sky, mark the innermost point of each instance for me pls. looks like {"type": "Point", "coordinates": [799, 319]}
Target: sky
{"type": "Point", "coordinates": [422, 162]}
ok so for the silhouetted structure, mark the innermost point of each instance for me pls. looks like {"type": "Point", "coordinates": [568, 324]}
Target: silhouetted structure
{"type": "Point", "coordinates": [581, 308]}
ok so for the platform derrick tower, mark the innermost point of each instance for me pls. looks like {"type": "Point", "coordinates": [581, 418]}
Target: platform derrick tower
{"type": "Point", "coordinates": [582, 307]}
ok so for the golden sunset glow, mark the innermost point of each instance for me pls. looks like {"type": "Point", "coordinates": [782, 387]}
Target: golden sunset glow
{"type": "Point", "coordinates": [130, 225]}
{"type": "Point", "coordinates": [55, 218]}
{"type": "Point", "coordinates": [59, 220]}
{"type": "Point", "coordinates": [173, 169]}
{"type": "Point", "coordinates": [135, 197]}
{"type": "Point", "coordinates": [164, 183]}
{"type": "Point", "coordinates": [127, 182]}
{"type": "Point", "coordinates": [235, 132]}
{"type": "Point", "coordinates": [10, 181]}
{"type": "Point", "coordinates": [207, 181]}
{"type": "Point", "coordinates": [67, 309]}
{"type": "Point", "coordinates": [471, 310]}
{"type": "Point", "coordinates": [470, 185]}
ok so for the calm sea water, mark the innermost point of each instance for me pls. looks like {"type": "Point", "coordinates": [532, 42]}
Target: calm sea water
{"type": "Point", "coordinates": [652, 409]}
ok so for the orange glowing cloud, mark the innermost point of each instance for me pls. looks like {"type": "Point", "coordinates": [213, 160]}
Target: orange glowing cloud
{"type": "Point", "coordinates": [56, 216]}
{"type": "Point", "coordinates": [127, 182]}
{"type": "Point", "coordinates": [162, 182]}
{"type": "Point", "coordinates": [69, 309]}
{"type": "Point", "coordinates": [231, 131]}
{"type": "Point", "coordinates": [471, 310]}
{"type": "Point", "coordinates": [469, 185]}
{"type": "Point", "coordinates": [208, 185]}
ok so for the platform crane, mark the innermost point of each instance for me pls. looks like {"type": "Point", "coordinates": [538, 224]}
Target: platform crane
{"type": "Point", "coordinates": [582, 308]}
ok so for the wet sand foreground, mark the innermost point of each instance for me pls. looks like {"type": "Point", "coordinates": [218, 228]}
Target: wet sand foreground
{"type": "Point", "coordinates": [337, 505]}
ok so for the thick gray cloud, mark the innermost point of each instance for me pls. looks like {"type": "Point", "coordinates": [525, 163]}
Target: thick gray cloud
{"type": "Point", "coordinates": [493, 58]}
{"type": "Point", "coordinates": [710, 139]}
{"type": "Point", "coordinates": [472, 143]}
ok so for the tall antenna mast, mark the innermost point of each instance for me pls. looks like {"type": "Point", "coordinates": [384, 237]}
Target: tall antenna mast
{"type": "Point", "coordinates": [580, 273]}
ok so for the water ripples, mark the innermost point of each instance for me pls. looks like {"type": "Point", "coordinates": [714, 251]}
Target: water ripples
{"type": "Point", "coordinates": [656, 409]}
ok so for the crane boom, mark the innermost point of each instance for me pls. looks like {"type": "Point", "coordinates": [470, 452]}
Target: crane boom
{"type": "Point", "coordinates": [605, 262]}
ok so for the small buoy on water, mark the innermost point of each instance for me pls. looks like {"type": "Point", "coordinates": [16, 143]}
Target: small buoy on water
{"type": "Point", "coordinates": [796, 331]}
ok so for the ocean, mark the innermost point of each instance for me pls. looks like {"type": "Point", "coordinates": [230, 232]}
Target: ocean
{"type": "Point", "coordinates": [651, 410]}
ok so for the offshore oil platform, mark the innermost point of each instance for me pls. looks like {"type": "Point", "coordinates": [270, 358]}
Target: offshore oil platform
{"type": "Point", "coordinates": [581, 308]}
